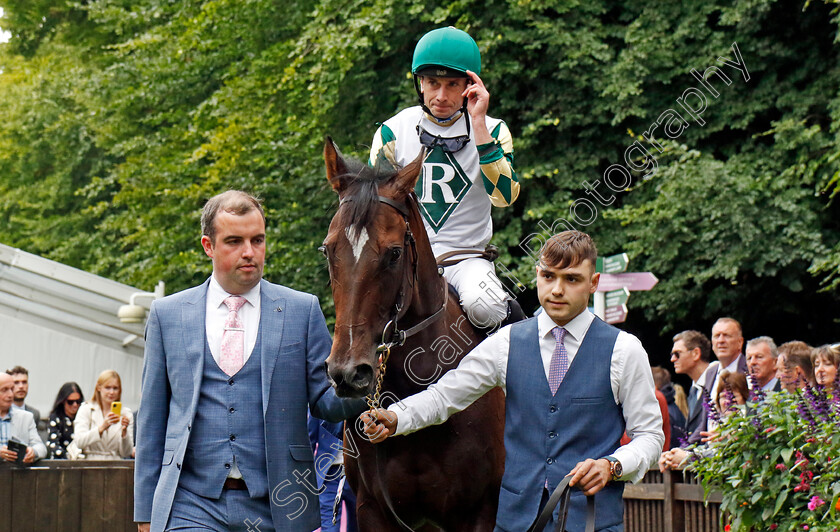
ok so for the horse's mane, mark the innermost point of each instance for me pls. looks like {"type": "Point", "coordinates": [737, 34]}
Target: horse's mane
{"type": "Point", "coordinates": [362, 192]}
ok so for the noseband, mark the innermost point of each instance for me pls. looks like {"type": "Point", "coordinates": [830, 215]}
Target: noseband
{"type": "Point", "coordinates": [392, 335]}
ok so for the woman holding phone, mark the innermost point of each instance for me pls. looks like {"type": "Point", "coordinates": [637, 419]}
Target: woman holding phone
{"type": "Point", "coordinates": [103, 429]}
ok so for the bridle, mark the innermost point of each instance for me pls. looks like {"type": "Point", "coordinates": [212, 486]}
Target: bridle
{"type": "Point", "coordinates": [392, 335]}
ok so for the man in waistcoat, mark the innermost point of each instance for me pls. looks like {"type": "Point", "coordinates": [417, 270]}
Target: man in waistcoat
{"type": "Point", "coordinates": [573, 385]}
{"type": "Point", "coordinates": [230, 367]}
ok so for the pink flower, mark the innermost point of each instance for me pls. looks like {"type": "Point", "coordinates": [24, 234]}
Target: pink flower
{"type": "Point", "coordinates": [815, 503]}
{"type": "Point", "coordinates": [781, 467]}
{"type": "Point", "coordinates": [774, 526]}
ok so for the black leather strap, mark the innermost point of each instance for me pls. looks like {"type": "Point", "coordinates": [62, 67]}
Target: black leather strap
{"type": "Point", "coordinates": [560, 496]}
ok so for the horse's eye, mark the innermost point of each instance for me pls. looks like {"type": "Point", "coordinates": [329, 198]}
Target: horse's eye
{"type": "Point", "coordinates": [323, 249]}
{"type": "Point", "coordinates": [396, 253]}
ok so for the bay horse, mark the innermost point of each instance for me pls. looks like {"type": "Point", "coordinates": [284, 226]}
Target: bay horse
{"type": "Point", "coordinates": [390, 294]}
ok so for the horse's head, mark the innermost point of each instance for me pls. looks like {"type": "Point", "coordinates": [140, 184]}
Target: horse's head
{"type": "Point", "coordinates": [373, 259]}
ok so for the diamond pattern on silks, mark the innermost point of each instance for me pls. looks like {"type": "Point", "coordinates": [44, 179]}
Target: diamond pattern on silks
{"type": "Point", "coordinates": [559, 360]}
{"type": "Point", "coordinates": [233, 338]}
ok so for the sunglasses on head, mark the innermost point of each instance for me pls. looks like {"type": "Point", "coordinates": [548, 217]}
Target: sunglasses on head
{"type": "Point", "coordinates": [447, 144]}
{"type": "Point", "coordinates": [73, 401]}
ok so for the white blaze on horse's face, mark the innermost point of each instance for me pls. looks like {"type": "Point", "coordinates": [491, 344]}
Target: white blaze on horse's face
{"type": "Point", "coordinates": [357, 241]}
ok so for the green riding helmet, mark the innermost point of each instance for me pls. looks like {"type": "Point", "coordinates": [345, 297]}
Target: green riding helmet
{"type": "Point", "coordinates": [445, 53]}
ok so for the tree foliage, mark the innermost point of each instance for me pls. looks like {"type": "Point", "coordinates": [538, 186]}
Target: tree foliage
{"type": "Point", "coordinates": [121, 118]}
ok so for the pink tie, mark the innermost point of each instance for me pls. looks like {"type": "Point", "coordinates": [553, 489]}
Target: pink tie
{"type": "Point", "coordinates": [559, 360]}
{"type": "Point", "coordinates": [233, 338]}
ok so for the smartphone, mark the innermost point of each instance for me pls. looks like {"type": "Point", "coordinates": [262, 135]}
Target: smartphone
{"type": "Point", "coordinates": [19, 448]}
{"type": "Point", "coordinates": [116, 407]}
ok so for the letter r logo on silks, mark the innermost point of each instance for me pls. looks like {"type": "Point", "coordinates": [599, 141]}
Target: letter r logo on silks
{"type": "Point", "coordinates": [441, 187]}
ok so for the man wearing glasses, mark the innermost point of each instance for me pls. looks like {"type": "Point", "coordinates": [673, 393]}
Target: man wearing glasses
{"type": "Point", "coordinates": [468, 164]}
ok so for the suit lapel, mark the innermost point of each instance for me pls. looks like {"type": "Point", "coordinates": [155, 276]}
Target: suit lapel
{"type": "Point", "coordinates": [193, 319]}
{"type": "Point", "coordinates": [272, 318]}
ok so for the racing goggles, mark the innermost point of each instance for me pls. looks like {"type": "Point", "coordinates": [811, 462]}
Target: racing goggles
{"type": "Point", "coordinates": [447, 144]}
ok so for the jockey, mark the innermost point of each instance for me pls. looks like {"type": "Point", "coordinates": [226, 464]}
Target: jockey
{"type": "Point", "coordinates": [468, 165]}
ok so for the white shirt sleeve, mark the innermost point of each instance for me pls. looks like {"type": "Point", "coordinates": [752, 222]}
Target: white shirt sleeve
{"type": "Point", "coordinates": [481, 370]}
{"type": "Point", "coordinates": [633, 388]}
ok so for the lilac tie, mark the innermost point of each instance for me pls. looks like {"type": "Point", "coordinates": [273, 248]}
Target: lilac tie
{"type": "Point", "coordinates": [559, 360]}
{"type": "Point", "coordinates": [233, 338]}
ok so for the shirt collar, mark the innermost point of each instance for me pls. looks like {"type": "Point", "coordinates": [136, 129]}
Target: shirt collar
{"type": "Point", "coordinates": [577, 327]}
{"type": "Point", "coordinates": [733, 367]}
{"type": "Point", "coordinates": [216, 295]}
{"type": "Point", "coordinates": [8, 416]}
{"type": "Point", "coordinates": [770, 385]}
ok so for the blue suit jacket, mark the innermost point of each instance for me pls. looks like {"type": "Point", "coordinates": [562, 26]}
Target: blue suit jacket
{"type": "Point", "coordinates": [295, 343]}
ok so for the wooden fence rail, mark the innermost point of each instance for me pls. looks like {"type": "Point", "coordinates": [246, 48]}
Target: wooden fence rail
{"type": "Point", "coordinates": [97, 496]}
{"type": "Point", "coordinates": [670, 502]}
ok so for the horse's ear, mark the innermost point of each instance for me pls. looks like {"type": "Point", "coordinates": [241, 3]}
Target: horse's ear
{"type": "Point", "coordinates": [405, 180]}
{"type": "Point", "coordinates": [336, 167]}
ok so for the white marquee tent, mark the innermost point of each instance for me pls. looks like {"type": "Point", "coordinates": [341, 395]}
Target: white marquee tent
{"type": "Point", "coordinates": [61, 324]}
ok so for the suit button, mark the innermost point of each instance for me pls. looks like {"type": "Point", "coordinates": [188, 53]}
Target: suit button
{"type": "Point", "coordinates": [227, 466]}
{"type": "Point", "coordinates": [189, 427]}
{"type": "Point", "coordinates": [552, 409]}
{"type": "Point", "coordinates": [552, 434]}
{"type": "Point", "coordinates": [230, 381]}
{"type": "Point", "coordinates": [232, 410]}
{"type": "Point", "coordinates": [549, 460]}
{"type": "Point", "coordinates": [178, 466]}
{"type": "Point", "coordinates": [233, 437]}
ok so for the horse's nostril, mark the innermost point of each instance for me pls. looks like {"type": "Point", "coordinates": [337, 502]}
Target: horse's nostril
{"type": "Point", "coordinates": [363, 376]}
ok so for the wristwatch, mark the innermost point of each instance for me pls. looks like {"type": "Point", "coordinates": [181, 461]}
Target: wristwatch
{"type": "Point", "coordinates": [615, 467]}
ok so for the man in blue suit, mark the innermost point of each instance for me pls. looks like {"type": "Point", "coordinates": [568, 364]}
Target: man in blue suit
{"type": "Point", "coordinates": [230, 368]}
{"type": "Point", "coordinates": [573, 385]}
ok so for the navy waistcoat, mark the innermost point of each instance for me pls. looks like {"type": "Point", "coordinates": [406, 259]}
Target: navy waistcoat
{"type": "Point", "coordinates": [228, 423]}
{"type": "Point", "coordinates": [547, 435]}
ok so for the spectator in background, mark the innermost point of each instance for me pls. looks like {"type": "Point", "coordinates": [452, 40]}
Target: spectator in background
{"type": "Point", "coordinates": [18, 425]}
{"type": "Point", "coordinates": [101, 433]}
{"type": "Point", "coordinates": [20, 375]}
{"type": "Point", "coordinates": [825, 360]}
{"type": "Point", "coordinates": [60, 440]}
{"type": "Point", "coordinates": [727, 342]}
{"type": "Point", "coordinates": [690, 355]}
{"type": "Point", "coordinates": [326, 440]}
{"type": "Point", "coordinates": [662, 381]}
{"type": "Point", "coordinates": [732, 393]}
{"type": "Point", "coordinates": [761, 359]}
{"type": "Point", "coordinates": [796, 368]}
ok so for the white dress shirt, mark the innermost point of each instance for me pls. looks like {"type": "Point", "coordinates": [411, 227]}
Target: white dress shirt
{"type": "Point", "coordinates": [485, 367]}
{"type": "Point", "coordinates": [217, 313]}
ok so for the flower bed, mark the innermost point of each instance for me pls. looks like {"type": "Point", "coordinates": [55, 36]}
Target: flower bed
{"type": "Point", "coordinates": [778, 463]}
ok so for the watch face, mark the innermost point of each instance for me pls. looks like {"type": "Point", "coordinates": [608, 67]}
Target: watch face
{"type": "Point", "coordinates": [617, 469]}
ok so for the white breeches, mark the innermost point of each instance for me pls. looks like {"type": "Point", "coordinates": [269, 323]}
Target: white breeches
{"type": "Point", "coordinates": [482, 296]}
